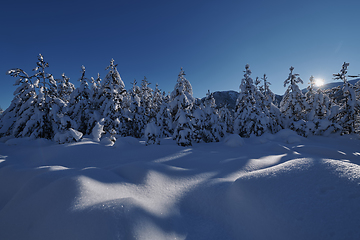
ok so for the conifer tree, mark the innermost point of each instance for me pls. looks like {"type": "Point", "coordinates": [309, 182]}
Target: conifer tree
{"type": "Point", "coordinates": [198, 121]}
{"type": "Point", "coordinates": [43, 115]}
{"type": "Point", "coordinates": [226, 117]}
{"type": "Point", "coordinates": [249, 119]}
{"type": "Point", "coordinates": [181, 95]}
{"type": "Point", "coordinates": [181, 102]}
{"type": "Point", "coordinates": [113, 91]}
{"type": "Point", "coordinates": [214, 128]}
{"type": "Point", "coordinates": [64, 88]}
{"type": "Point", "coordinates": [164, 121]}
{"type": "Point", "coordinates": [273, 111]}
{"type": "Point", "coordinates": [183, 133]}
{"type": "Point", "coordinates": [157, 99]}
{"type": "Point", "coordinates": [80, 108]}
{"type": "Point", "coordinates": [152, 133]}
{"type": "Point", "coordinates": [137, 119]}
{"type": "Point", "coordinates": [13, 120]}
{"type": "Point", "coordinates": [293, 105]}
{"type": "Point", "coordinates": [348, 115]}
{"type": "Point", "coordinates": [146, 95]}
{"type": "Point", "coordinates": [96, 97]}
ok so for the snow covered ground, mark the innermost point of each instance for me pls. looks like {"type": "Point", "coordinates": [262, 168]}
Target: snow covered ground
{"type": "Point", "coordinates": [271, 187]}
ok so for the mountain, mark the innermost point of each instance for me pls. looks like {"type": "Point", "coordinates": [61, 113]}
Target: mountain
{"type": "Point", "coordinates": [333, 84]}
{"type": "Point", "coordinates": [229, 98]}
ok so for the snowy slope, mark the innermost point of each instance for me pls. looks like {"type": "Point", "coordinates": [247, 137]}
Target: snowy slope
{"type": "Point", "coordinates": [278, 186]}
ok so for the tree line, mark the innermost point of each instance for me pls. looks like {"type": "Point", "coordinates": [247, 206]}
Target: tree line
{"type": "Point", "coordinates": [45, 107]}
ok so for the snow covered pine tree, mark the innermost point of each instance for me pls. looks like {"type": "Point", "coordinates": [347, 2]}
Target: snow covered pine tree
{"type": "Point", "coordinates": [181, 102]}
{"type": "Point", "coordinates": [293, 105]}
{"type": "Point", "coordinates": [250, 117]}
{"type": "Point", "coordinates": [348, 115]}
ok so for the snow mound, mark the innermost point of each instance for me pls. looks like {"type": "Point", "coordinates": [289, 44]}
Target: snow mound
{"type": "Point", "coordinates": [298, 196]}
{"type": "Point", "coordinates": [106, 141]}
{"type": "Point", "coordinates": [70, 135]}
{"type": "Point", "coordinates": [289, 136]}
{"type": "Point", "coordinates": [126, 142]}
{"type": "Point", "coordinates": [27, 141]}
{"type": "Point", "coordinates": [234, 140]}
{"type": "Point", "coordinates": [87, 190]}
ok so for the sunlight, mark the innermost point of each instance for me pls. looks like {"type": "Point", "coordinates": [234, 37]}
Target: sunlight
{"type": "Point", "coordinates": [319, 82]}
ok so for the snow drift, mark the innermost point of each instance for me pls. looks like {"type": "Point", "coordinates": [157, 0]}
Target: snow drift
{"type": "Point", "coordinates": [266, 187]}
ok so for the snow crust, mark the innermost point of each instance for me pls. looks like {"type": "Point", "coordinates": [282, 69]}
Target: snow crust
{"type": "Point", "coordinates": [268, 187]}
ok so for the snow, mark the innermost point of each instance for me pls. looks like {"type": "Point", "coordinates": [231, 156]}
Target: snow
{"type": "Point", "coordinates": [279, 186]}
{"type": "Point", "coordinates": [233, 140]}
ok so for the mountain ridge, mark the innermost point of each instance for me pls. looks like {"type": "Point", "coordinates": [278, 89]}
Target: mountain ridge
{"type": "Point", "coordinates": [228, 98]}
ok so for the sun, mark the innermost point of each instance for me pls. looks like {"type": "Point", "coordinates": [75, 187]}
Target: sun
{"type": "Point", "coordinates": [319, 82]}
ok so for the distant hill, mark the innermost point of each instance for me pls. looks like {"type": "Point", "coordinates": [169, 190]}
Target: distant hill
{"type": "Point", "coordinates": [333, 84]}
{"type": "Point", "coordinates": [229, 98]}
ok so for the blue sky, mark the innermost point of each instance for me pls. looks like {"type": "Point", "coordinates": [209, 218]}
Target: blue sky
{"type": "Point", "coordinates": [211, 40]}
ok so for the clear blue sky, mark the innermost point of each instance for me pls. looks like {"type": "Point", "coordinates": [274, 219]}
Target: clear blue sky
{"type": "Point", "coordinates": [211, 40]}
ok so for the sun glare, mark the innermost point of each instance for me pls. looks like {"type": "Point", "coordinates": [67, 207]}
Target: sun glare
{"type": "Point", "coordinates": [319, 82]}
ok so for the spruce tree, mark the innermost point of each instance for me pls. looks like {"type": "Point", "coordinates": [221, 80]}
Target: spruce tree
{"type": "Point", "coordinates": [164, 121]}
{"type": "Point", "coordinates": [13, 120]}
{"type": "Point", "coordinates": [42, 118]}
{"type": "Point", "coordinates": [214, 128]}
{"type": "Point", "coordinates": [249, 117]}
{"type": "Point", "coordinates": [181, 95]}
{"type": "Point", "coordinates": [79, 107]}
{"type": "Point", "coordinates": [152, 133]}
{"type": "Point", "coordinates": [348, 115]}
{"type": "Point", "coordinates": [181, 102]}
{"type": "Point", "coordinates": [293, 105]}
{"type": "Point", "coordinates": [269, 102]}
{"type": "Point", "coordinates": [198, 121]}
{"type": "Point", "coordinates": [183, 133]}
{"type": "Point", "coordinates": [112, 92]}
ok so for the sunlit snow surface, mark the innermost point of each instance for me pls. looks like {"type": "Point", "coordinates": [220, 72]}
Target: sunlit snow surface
{"type": "Point", "coordinates": [272, 187]}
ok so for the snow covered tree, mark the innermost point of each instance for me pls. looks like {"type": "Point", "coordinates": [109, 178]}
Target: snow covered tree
{"type": "Point", "coordinates": [152, 133]}
{"type": "Point", "coordinates": [42, 116]}
{"type": "Point", "coordinates": [96, 95]}
{"type": "Point", "coordinates": [274, 111]}
{"type": "Point", "coordinates": [181, 95]}
{"type": "Point", "coordinates": [293, 105]}
{"type": "Point", "coordinates": [113, 91]}
{"type": "Point", "coordinates": [214, 128]}
{"type": "Point", "coordinates": [157, 99]}
{"type": "Point", "coordinates": [137, 119]}
{"type": "Point", "coordinates": [318, 113]}
{"type": "Point", "coordinates": [198, 121]}
{"type": "Point", "coordinates": [79, 108]}
{"type": "Point", "coordinates": [348, 115]}
{"type": "Point", "coordinates": [164, 121]}
{"type": "Point", "coordinates": [250, 117]}
{"type": "Point", "coordinates": [183, 133]}
{"type": "Point", "coordinates": [181, 101]}
{"type": "Point", "coordinates": [265, 90]}
{"type": "Point", "coordinates": [64, 88]}
{"type": "Point", "coordinates": [13, 120]}
{"type": "Point", "coordinates": [226, 117]}
{"type": "Point", "coordinates": [146, 95]}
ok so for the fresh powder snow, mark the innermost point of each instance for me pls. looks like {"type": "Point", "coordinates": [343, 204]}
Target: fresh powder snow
{"type": "Point", "coordinates": [276, 186]}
